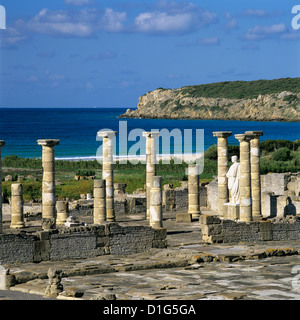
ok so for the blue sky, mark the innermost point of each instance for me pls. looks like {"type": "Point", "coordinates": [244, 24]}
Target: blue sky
{"type": "Point", "coordinates": [106, 53]}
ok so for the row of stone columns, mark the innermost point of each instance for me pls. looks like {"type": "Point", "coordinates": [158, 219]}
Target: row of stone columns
{"type": "Point", "coordinates": [249, 185]}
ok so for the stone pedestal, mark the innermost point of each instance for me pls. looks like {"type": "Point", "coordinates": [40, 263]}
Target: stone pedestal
{"type": "Point", "coordinates": [183, 217]}
{"type": "Point", "coordinates": [231, 211]}
{"type": "Point", "coordinates": [255, 173]}
{"type": "Point", "coordinates": [222, 168]}
{"type": "Point", "coordinates": [17, 211]}
{"type": "Point", "coordinates": [245, 178]}
{"type": "Point", "coordinates": [62, 208]}
{"type": "Point", "coordinates": [99, 201]}
{"type": "Point", "coordinates": [107, 172]}
{"type": "Point", "coordinates": [2, 144]}
{"type": "Point", "coordinates": [156, 216]}
{"type": "Point", "coordinates": [48, 186]}
{"type": "Point", "coordinates": [150, 163]}
{"type": "Point", "coordinates": [194, 191]}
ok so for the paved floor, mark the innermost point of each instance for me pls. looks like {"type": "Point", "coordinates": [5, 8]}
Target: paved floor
{"type": "Point", "coordinates": [239, 271]}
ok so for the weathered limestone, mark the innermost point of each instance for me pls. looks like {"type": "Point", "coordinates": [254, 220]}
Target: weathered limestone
{"type": "Point", "coordinates": [107, 172]}
{"type": "Point", "coordinates": [2, 144]}
{"type": "Point", "coordinates": [151, 163]}
{"type": "Point", "coordinates": [156, 217]}
{"type": "Point", "coordinates": [48, 187]}
{"type": "Point", "coordinates": [99, 201]}
{"type": "Point", "coordinates": [222, 168]}
{"type": "Point", "coordinates": [255, 172]}
{"type": "Point", "coordinates": [194, 191]}
{"type": "Point", "coordinates": [17, 211]}
{"type": "Point", "coordinates": [245, 178]}
{"type": "Point", "coordinates": [62, 209]}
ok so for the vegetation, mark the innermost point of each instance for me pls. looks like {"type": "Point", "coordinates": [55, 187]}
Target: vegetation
{"type": "Point", "coordinates": [277, 156]}
{"type": "Point", "coordinates": [244, 89]}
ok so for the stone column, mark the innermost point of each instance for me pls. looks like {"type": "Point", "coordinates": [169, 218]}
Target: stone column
{"type": "Point", "coordinates": [151, 163]}
{"type": "Point", "coordinates": [156, 216]}
{"type": "Point", "coordinates": [194, 190]}
{"type": "Point", "coordinates": [48, 187]}
{"type": "Point", "coordinates": [62, 209]}
{"type": "Point", "coordinates": [222, 168]}
{"type": "Point", "coordinates": [99, 201]}
{"type": "Point", "coordinates": [107, 172]}
{"type": "Point", "coordinates": [17, 217]}
{"type": "Point", "coordinates": [255, 172]}
{"type": "Point", "coordinates": [245, 178]}
{"type": "Point", "coordinates": [2, 144]}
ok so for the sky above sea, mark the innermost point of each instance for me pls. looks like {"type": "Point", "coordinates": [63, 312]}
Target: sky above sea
{"type": "Point", "coordinates": [107, 53]}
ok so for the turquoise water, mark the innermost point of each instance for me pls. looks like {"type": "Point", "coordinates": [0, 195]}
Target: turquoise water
{"type": "Point", "coordinates": [77, 130]}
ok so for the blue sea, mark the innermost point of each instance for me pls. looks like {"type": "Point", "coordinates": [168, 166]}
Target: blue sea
{"type": "Point", "coordinates": [77, 130]}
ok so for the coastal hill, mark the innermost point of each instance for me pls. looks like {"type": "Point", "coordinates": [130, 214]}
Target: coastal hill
{"type": "Point", "coordinates": [260, 100]}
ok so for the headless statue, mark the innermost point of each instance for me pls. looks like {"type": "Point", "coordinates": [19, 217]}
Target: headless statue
{"type": "Point", "coordinates": [233, 176]}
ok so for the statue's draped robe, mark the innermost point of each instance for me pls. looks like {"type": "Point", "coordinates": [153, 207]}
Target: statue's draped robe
{"type": "Point", "coordinates": [233, 176]}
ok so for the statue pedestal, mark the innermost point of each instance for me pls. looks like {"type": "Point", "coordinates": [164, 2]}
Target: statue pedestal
{"type": "Point", "coordinates": [231, 211]}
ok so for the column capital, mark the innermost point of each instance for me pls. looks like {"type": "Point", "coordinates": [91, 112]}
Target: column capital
{"type": "Point", "coordinates": [254, 134]}
{"type": "Point", "coordinates": [2, 143]}
{"type": "Point", "coordinates": [107, 134]}
{"type": "Point", "coordinates": [242, 137]}
{"type": "Point", "coordinates": [48, 142]}
{"type": "Point", "coordinates": [222, 134]}
{"type": "Point", "coordinates": [151, 134]}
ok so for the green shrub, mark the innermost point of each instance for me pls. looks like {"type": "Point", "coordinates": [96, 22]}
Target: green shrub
{"type": "Point", "coordinates": [283, 154]}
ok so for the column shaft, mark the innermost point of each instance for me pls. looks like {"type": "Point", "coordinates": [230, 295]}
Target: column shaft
{"type": "Point", "coordinates": [62, 209]}
{"type": "Point", "coordinates": [150, 164]}
{"type": "Point", "coordinates": [156, 216]}
{"type": "Point", "coordinates": [99, 201]}
{"type": "Point", "coordinates": [108, 173]}
{"type": "Point", "coordinates": [222, 147]}
{"type": "Point", "coordinates": [245, 178]}
{"type": "Point", "coordinates": [255, 172]}
{"type": "Point", "coordinates": [48, 185]}
{"type": "Point", "coordinates": [194, 190]}
{"type": "Point", "coordinates": [17, 218]}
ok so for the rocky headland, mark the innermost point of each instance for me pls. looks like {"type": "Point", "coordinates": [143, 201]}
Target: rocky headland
{"type": "Point", "coordinates": [262, 100]}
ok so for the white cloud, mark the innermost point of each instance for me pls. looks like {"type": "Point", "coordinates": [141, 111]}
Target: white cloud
{"type": "Point", "coordinates": [231, 22]}
{"type": "Point", "coordinates": [174, 19]}
{"type": "Point", "coordinates": [112, 21]}
{"type": "Point", "coordinates": [60, 23]}
{"type": "Point", "coordinates": [262, 32]}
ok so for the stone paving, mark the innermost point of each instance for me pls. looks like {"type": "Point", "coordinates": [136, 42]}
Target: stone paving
{"type": "Point", "coordinates": [187, 270]}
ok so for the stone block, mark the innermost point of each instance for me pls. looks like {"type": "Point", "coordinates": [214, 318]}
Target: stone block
{"type": "Point", "coordinates": [231, 211]}
{"type": "Point", "coordinates": [183, 217]}
{"type": "Point", "coordinates": [160, 244]}
{"type": "Point", "coordinates": [212, 229]}
{"type": "Point", "coordinates": [207, 219]}
{"type": "Point", "coordinates": [160, 234]}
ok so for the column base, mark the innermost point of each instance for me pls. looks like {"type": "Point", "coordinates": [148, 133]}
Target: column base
{"type": "Point", "coordinates": [19, 225]}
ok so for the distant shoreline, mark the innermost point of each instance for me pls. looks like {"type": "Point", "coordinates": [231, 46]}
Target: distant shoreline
{"type": "Point", "coordinates": [186, 157]}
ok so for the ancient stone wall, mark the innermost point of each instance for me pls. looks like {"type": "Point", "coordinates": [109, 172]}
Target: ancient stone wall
{"type": "Point", "coordinates": [79, 243]}
{"type": "Point", "coordinates": [216, 230]}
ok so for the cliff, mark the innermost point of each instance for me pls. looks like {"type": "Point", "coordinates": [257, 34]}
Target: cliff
{"type": "Point", "coordinates": [262, 100]}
